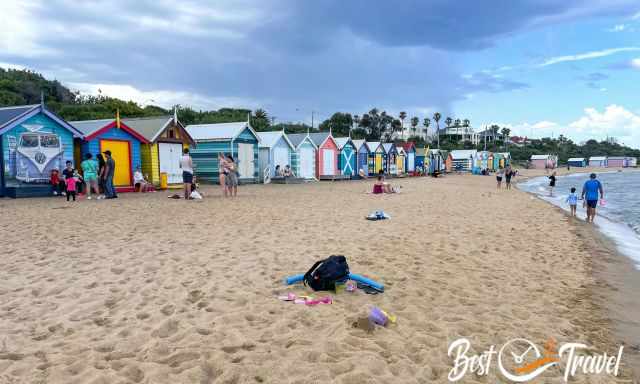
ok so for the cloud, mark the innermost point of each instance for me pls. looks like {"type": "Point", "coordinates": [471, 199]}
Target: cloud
{"type": "Point", "coordinates": [588, 55]}
{"type": "Point", "coordinates": [633, 64]}
{"type": "Point", "coordinates": [618, 28]}
{"type": "Point", "coordinates": [485, 81]}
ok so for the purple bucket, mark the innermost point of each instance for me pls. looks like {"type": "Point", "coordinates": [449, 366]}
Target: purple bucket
{"type": "Point", "coordinates": [376, 316]}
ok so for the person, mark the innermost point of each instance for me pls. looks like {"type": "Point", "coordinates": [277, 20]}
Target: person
{"type": "Point", "coordinates": [58, 186]}
{"type": "Point", "coordinates": [68, 171]}
{"type": "Point", "coordinates": [381, 186]}
{"type": "Point", "coordinates": [287, 171]}
{"type": "Point", "coordinates": [552, 183]}
{"type": "Point", "coordinates": [507, 177]}
{"type": "Point", "coordinates": [572, 200]}
{"type": "Point", "coordinates": [139, 181]}
{"type": "Point", "coordinates": [278, 171]}
{"type": "Point", "coordinates": [590, 191]}
{"type": "Point", "coordinates": [362, 173]}
{"type": "Point", "coordinates": [70, 183]}
{"type": "Point", "coordinates": [90, 171]}
{"type": "Point", "coordinates": [109, 171]}
{"type": "Point", "coordinates": [186, 164]}
{"type": "Point", "coordinates": [101, 176]}
{"type": "Point", "coordinates": [223, 172]}
{"type": "Point", "coordinates": [499, 177]}
{"type": "Point", "coordinates": [232, 177]}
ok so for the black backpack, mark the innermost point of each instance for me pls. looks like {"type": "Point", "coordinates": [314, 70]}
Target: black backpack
{"type": "Point", "coordinates": [325, 273]}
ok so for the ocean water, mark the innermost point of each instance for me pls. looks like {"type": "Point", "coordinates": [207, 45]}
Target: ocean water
{"type": "Point", "coordinates": [618, 218]}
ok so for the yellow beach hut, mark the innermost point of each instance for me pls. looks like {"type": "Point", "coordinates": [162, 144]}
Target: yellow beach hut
{"type": "Point", "coordinates": [167, 138]}
{"type": "Point", "coordinates": [400, 160]}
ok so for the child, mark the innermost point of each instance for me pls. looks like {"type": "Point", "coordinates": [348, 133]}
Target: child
{"type": "Point", "coordinates": [57, 185]}
{"type": "Point", "coordinates": [71, 187]}
{"type": "Point", "coordinates": [572, 199]}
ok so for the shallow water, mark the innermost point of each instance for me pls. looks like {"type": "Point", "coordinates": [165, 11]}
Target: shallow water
{"type": "Point", "coordinates": [618, 218]}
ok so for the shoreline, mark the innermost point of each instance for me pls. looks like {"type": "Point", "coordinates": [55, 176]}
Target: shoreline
{"type": "Point", "coordinates": [616, 287]}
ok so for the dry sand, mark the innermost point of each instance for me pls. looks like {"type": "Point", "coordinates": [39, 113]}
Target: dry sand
{"type": "Point", "coordinates": [144, 289]}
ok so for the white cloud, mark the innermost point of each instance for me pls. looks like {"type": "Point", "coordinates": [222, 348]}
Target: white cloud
{"type": "Point", "coordinates": [588, 55]}
{"type": "Point", "coordinates": [635, 63]}
{"type": "Point", "coordinates": [163, 98]}
{"type": "Point", "coordinates": [618, 28]}
{"type": "Point", "coordinates": [19, 32]}
{"type": "Point", "coordinates": [636, 16]}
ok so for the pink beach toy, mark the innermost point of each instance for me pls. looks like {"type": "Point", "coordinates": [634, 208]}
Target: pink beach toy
{"type": "Point", "coordinates": [603, 202]}
{"type": "Point", "coordinates": [289, 297]}
{"type": "Point", "coordinates": [322, 300]}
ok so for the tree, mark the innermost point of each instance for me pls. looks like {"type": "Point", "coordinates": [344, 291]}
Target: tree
{"type": "Point", "coordinates": [356, 121]}
{"type": "Point", "coordinates": [260, 120]}
{"type": "Point", "coordinates": [426, 123]}
{"type": "Point", "coordinates": [403, 115]}
{"type": "Point", "coordinates": [448, 122]}
{"type": "Point", "coordinates": [437, 116]}
{"type": "Point", "coordinates": [339, 123]}
{"type": "Point", "coordinates": [414, 125]}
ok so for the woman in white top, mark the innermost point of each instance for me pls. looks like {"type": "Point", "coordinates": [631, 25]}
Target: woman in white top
{"type": "Point", "coordinates": [187, 172]}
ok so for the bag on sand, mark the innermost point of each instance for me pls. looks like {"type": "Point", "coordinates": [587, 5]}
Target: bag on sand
{"type": "Point", "coordinates": [325, 273]}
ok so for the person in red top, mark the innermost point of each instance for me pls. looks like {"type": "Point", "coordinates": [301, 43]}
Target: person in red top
{"type": "Point", "coordinates": [71, 187]}
{"type": "Point", "coordinates": [58, 186]}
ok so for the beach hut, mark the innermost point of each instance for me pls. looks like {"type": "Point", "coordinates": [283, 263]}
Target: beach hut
{"type": "Point", "coordinates": [482, 161]}
{"type": "Point", "coordinates": [326, 156]}
{"type": "Point", "coordinates": [410, 163]}
{"type": "Point", "coordinates": [616, 161]}
{"type": "Point", "coordinates": [543, 161]}
{"type": "Point", "coordinates": [377, 158]}
{"type": "Point", "coordinates": [401, 159]}
{"type": "Point", "coordinates": [362, 161]}
{"type": "Point", "coordinates": [347, 157]}
{"type": "Point", "coordinates": [577, 162]}
{"type": "Point", "coordinates": [501, 160]}
{"type": "Point", "coordinates": [166, 138]}
{"type": "Point", "coordinates": [237, 139]}
{"type": "Point", "coordinates": [420, 159]}
{"type": "Point", "coordinates": [598, 161]}
{"type": "Point", "coordinates": [392, 154]}
{"type": "Point", "coordinates": [462, 159]}
{"type": "Point", "coordinates": [275, 149]}
{"type": "Point", "coordinates": [435, 160]}
{"type": "Point", "coordinates": [631, 162]}
{"type": "Point", "coordinates": [34, 141]}
{"type": "Point", "coordinates": [123, 142]}
{"type": "Point", "coordinates": [306, 154]}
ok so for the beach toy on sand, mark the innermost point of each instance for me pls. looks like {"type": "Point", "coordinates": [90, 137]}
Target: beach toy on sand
{"type": "Point", "coordinates": [352, 276]}
{"type": "Point", "coordinates": [376, 316]}
{"type": "Point", "coordinates": [322, 300]}
{"type": "Point", "coordinates": [378, 215]}
{"type": "Point", "coordinates": [603, 202]}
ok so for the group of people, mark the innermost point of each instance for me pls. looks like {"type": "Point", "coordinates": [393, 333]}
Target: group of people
{"type": "Point", "coordinates": [97, 176]}
{"type": "Point", "coordinates": [228, 175]}
{"type": "Point", "coordinates": [507, 173]}
{"type": "Point", "coordinates": [592, 192]}
{"type": "Point", "coordinates": [283, 172]}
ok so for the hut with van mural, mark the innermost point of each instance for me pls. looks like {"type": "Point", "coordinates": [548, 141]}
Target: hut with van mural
{"type": "Point", "coordinates": [122, 141]}
{"type": "Point", "coordinates": [34, 141]}
{"type": "Point", "coordinates": [306, 154]}
{"type": "Point", "coordinates": [392, 154]}
{"type": "Point", "coordinates": [167, 138]}
{"type": "Point", "coordinates": [237, 139]}
{"type": "Point", "coordinates": [577, 162]}
{"type": "Point", "coordinates": [326, 157]}
{"type": "Point", "coordinates": [275, 151]}
{"type": "Point", "coordinates": [362, 160]}
{"type": "Point", "coordinates": [410, 162]}
{"type": "Point", "coordinates": [347, 157]}
{"type": "Point", "coordinates": [543, 161]}
{"type": "Point", "coordinates": [598, 161]}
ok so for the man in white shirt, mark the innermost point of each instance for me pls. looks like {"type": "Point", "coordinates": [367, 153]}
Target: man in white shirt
{"type": "Point", "coordinates": [187, 172]}
{"type": "Point", "coordinates": [139, 181]}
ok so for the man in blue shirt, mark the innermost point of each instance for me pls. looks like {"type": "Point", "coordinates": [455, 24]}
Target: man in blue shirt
{"type": "Point", "coordinates": [590, 193]}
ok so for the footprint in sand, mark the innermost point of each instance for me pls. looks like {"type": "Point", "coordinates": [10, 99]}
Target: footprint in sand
{"type": "Point", "coordinates": [168, 328]}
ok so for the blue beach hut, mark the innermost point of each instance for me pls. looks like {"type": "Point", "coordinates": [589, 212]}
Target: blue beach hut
{"type": "Point", "coordinates": [275, 149]}
{"type": "Point", "coordinates": [392, 154]}
{"type": "Point", "coordinates": [362, 161]}
{"type": "Point", "coordinates": [577, 162]}
{"type": "Point", "coordinates": [34, 141]}
{"type": "Point", "coordinates": [347, 156]}
{"type": "Point", "coordinates": [305, 159]}
{"type": "Point", "coordinates": [237, 139]}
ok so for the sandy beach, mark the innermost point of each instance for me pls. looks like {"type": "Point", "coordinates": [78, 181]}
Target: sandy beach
{"type": "Point", "coordinates": [144, 289]}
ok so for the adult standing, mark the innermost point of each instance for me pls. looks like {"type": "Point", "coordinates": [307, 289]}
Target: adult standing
{"type": "Point", "coordinates": [102, 165]}
{"type": "Point", "coordinates": [507, 177]}
{"type": "Point", "coordinates": [187, 172]}
{"type": "Point", "coordinates": [590, 194]}
{"type": "Point", "coordinates": [90, 174]}
{"type": "Point", "coordinates": [109, 171]}
{"type": "Point", "coordinates": [223, 171]}
{"type": "Point", "coordinates": [499, 177]}
{"type": "Point", "coordinates": [232, 177]}
{"type": "Point", "coordinates": [552, 183]}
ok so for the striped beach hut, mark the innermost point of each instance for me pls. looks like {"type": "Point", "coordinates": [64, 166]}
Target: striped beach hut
{"type": "Point", "coordinates": [275, 150]}
{"type": "Point", "coordinates": [577, 162]}
{"type": "Point", "coordinates": [166, 138]}
{"type": "Point", "coordinates": [377, 158]}
{"type": "Point", "coordinates": [410, 150]}
{"type": "Point", "coordinates": [123, 142]}
{"type": "Point", "coordinates": [327, 155]}
{"type": "Point", "coordinates": [436, 161]}
{"type": "Point", "coordinates": [306, 155]}
{"type": "Point", "coordinates": [543, 161]}
{"type": "Point", "coordinates": [616, 161]}
{"type": "Point", "coordinates": [598, 161]}
{"type": "Point", "coordinates": [362, 161]}
{"type": "Point", "coordinates": [400, 160]}
{"type": "Point", "coordinates": [501, 160]}
{"type": "Point", "coordinates": [237, 139]}
{"type": "Point", "coordinates": [347, 157]}
{"type": "Point", "coordinates": [462, 159]}
{"type": "Point", "coordinates": [33, 141]}
{"type": "Point", "coordinates": [392, 154]}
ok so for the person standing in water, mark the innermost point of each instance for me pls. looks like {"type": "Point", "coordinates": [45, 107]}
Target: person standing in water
{"type": "Point", "coordinates": [187, 172]}
{"type": "Point", "coordinates": [507, 177]}
{"type": "Point", "coordinates": [590, 194]}
{"type": "Point", "coordinates": [552, 183]}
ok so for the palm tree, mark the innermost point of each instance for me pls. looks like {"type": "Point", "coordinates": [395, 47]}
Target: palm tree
{"type": "Point", "coordinates": [457, 123]}
{"type": "Point", "coordinates": [414, 124]}
{"type": "Point", "coordinates": [356, 120]}
{"type": "Point", "coordinates": [448, 121]}
{"type": "Point", "coordinates": [437, 116]}
{"type": "Point", "coordinates": [403, 115]}
{"type": "Point", "coordinates": [426, 123]}
{"type": "Point", "coordinates": [466, 123]}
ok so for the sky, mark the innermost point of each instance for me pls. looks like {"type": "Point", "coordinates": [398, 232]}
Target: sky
{"type": "Point", "coordinates": [539, 67]}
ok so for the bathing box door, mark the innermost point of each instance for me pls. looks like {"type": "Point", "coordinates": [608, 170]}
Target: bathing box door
{"type": "Point", "coordinates": [245, 161]}
{"type": "Point", "coordinates": [280, 157]}
{"type": "Point", "coordinates": [328, 162]}
{"type": "Point", "coordinates": [411, 162]}
{"type": "Point", "coordinates": [307, 162]}
{"type": "Point", "coordinates": [170, 154]}
{"type": "Point", "coordinates": [121, 154]}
